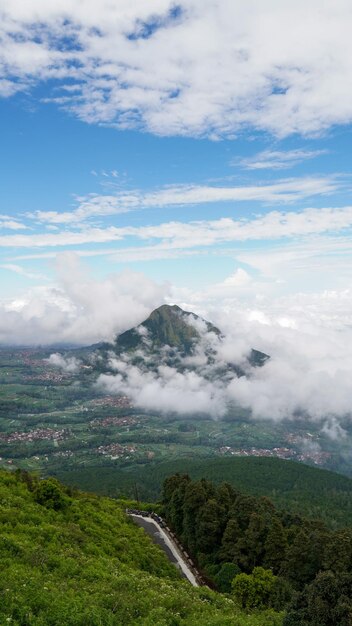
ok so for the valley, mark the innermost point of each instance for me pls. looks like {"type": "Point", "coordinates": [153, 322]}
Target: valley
{"type": "Point", "coordinates": [58, 421]}
{"type": "Point", "coordinates": [51, 419]}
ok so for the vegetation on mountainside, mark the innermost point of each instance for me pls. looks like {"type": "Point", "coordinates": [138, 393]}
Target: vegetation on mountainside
{"type": "Point", "coordinates": [283, 560]}
{"type": "Point", "coordinates": [293, 486]}
{"type": "Point", "coordinates": [72, 559]}
{"type": "Point", "coordinates": [168, 335]}
{"type": "Point", "coordinates": [166, 326]}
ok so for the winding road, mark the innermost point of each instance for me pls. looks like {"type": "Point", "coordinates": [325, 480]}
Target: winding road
{"type": "Point", "coordinates": [162, 539]}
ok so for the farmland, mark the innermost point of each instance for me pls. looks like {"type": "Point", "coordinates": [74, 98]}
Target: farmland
{"type": "Point", "coordinates": [54, 421]}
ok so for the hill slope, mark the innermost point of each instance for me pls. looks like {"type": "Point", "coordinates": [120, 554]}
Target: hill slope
{"type": "Point", "coordinates": [167, 325]}
{"type": "Point", "coordinates": [297, 487]}
{"type": "Point", "coordinates": [69, 559]}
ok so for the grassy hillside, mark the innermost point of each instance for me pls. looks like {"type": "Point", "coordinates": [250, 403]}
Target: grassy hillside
{"type": "Point", "coordinates": [297, 487]}
{"type": "Point", "coordinates": [72, 559]}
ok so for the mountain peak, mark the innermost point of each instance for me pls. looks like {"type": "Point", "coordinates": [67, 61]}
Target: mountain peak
{"type": "Point", "coordinates": [166, 310]}
{"type": "Point", "coordinates": [168, 307]}
{"type": "Point", "coordinates": [177, 338]}
{"type": "Point", "coordinates": [168, 325]}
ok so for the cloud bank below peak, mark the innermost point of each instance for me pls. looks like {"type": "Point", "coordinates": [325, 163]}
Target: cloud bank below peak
{"type": "Point", "coordinates": [307, 376]}
{"type": "Point", "coordinates": [308, 337]}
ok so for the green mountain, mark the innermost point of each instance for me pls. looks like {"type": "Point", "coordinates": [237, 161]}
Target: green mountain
{"type": "Point", "coordinates": [72, 559]}
{"type": "Point", "coordinates": [172, 337]}
{"type": "Point", "coordinates": [166, 326]}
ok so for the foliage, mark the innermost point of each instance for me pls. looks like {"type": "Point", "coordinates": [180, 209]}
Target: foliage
{"type": "Point", "coordinates": [255, 590]}
{"type": "Point", "coordinates": [49, 493]}
{"type": "Point", "coordinates": [87, 564]}
{"type": "Point", "coordinates": [284, 559]}
{"type": "Point", "coordinates": [327, 601]}
{"type": "Point", "coordinates": [292, 486]}
{"type": "Point", "coordinates": [224, 576]}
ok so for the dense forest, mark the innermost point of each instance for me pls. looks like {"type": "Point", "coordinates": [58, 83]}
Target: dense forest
{"type": "Point", "coordinates": [72, 559]}
{"type": "Point", "coordinates": [267, 558]}
{"type": "Point", "coordinates": [292, 486]}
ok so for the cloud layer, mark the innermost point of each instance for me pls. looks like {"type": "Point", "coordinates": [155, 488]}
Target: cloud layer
{"type": "Point", "coordinates": [284, 191]}
{"type": "Point", "coordinates": [307, 376]}
{"type": "Point", "coordinates": [80, 309]}
{"type": "Point", "coordinates": [199, 67]}
{"type": "Point", "coordinates": [308, 337]}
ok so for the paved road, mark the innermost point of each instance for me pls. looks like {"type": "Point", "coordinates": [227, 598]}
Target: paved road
{"type": "Point", "coordinates": [159, 537]}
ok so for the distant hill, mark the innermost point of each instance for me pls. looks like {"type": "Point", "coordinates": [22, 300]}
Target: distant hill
{"type": "Point", "coordinates": [299, 488]}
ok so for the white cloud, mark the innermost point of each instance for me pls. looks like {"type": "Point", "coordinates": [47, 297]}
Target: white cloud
{"type": "Point", "coordinates": [240, 284]}
{"type": "Point", "coordinates": [308, 372]}
{"type": "Point", "coordinates": [283, 191]}
{"type": "Point", "coordinates": [308, 336]}
{"type": "Point", "coordinates": [149, 253]}
{"type": "Point", "coordinates": [272, 225]}
{"type": "Point", "coordinates": [70, 364]}
{"type": "Point", "coordinates": [210, 68]}
{"type": "Point", "coordinates": [309, 339]}
{"type": "Point", "coordinates": [314, 262]}
{"type": "Point", "coordinates": [277, 159]}
{"type": "Point", "coordinates": [62, 238]}
{"type": "Point", "coordinates": [167, 391]}
{"type": "Point", "coordinates": [79, 309]}
{"type": "Point", "coordinates": [22, 272]}
{"type": "Point", "coordinates": [11, 224]}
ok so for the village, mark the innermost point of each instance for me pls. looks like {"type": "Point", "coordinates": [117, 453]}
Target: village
{"type": "Point", "coordinates": [317, 456]}
{"type": "Point", "coordinates": [116, 451]}
{"type": "Point", "coordinates": [122, 402]}
{"type": "Point", "coordinates": [35, 435]}
{"type": "Point", "coordinates": [113, 421]}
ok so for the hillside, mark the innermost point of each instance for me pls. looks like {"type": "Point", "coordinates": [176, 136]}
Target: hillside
{"type": "Point", "coordinates": [72, 559]}
{"type": "Point", "coordinates": [167, 325]}
{"type": "Point", "coordinates": [171, 336]}
{"type": "Point", "coordinates": [297, 487]}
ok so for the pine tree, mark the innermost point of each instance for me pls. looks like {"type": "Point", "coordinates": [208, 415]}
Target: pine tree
{"type": "Point", "coordinates": [275, 546]}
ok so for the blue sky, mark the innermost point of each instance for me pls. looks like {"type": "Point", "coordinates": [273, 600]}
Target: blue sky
{"type": "Point", "coordinates": [203, 146]}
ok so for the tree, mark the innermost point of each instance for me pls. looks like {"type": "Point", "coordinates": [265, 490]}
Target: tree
{"type": "Point", "coordinates": [275, 546]}
{"type": "Point", "coordinates": [230, 538]}
{"type": "Point", "coordinates": [250, 548]}
{"type": "Point", "coordinates": [304, 556]}
{"type": "Point", "coordinates": [243, 508]}
{"type": "Point", "coordinates": [224, 577]}
{"type": "Point", "coordinates": [171, 484]}
{"type": "Point", "coordinates": [50, 494]}
{"type": "Point", "coordinates": [256, 590]}
{"type": "Point", "coordinates": [209, 526]}
{"type": "Point", "coordinates": [327, 601]}
{"type": "Point", "coordinates": [195, 497]}
{"type": "Point", "coordinates": [338, 552]}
